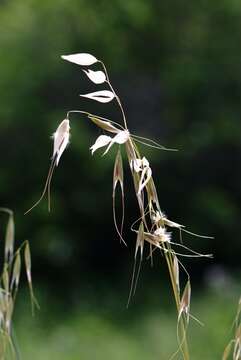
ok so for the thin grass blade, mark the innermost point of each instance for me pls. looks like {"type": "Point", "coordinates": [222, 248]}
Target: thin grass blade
{"type": "Point", "coordinates": [9, 239]}
{"type": "Point", "coordinates": [27, 258]}
{"type": "Point", "coordinates": [16, 271]}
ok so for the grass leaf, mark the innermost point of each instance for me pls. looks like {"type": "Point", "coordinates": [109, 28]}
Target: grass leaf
{"type": "Point", "coordinates": [27, 258]}
{"type": "Point", "coordinates": [16, 271]}
{"type": "Point", "coordinates": [5, 278]}
{"type": "Point", "coordinates": [227, 351]}
{"type": "Point", "coordinates": [9, 238]}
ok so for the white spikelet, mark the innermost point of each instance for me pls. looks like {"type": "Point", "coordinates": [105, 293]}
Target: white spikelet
{"type": "Point", "coordinates": [98, 77]}
{"type": "Point", "coordinates": [142, 166]}
{"type": "Point", "coordinates": [80, 59]}
{"type": "Point", "coordinates": [61, 139]}
{"type": "Point", "coordinates": [162, 234]}
{"type": "Point", "coordinates": [103, 96]}
{"type": "Point", "coordinates": [120, 138]}
{"type": "Point", "coordinates": [101, 141]}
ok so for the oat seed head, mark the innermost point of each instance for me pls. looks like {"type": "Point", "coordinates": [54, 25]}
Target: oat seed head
{"type": "Point", "coordinates": [61, 139]}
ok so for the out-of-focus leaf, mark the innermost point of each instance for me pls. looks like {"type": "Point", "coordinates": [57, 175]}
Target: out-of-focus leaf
{"type": "Point", "coordinates": [9, 238]}
{"type": "Point", "coordinates": [5, 278]}
{"type": "Point", "coordinates": [9, 313]}
{"type": "Point", "coordinates": [227, 351]}
{"type": "Point", "coordinates": [16, 271]}
{"type": "Point", "coordinates": [2, 306]}
{"type": "Point", "coordinates": [27, 258]}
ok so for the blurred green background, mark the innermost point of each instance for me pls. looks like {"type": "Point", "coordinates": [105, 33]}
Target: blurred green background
{"type": "Point", "coordinates": [177, 68]}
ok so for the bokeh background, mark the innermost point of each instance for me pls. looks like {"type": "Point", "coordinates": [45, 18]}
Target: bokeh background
{"type": "Point", "coordinates": [177, 68]}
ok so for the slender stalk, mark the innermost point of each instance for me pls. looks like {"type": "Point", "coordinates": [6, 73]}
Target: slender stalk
{"type": "Point", "coordinates": [116, 96]}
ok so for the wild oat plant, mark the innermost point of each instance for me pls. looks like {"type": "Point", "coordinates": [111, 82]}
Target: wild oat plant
{"type": "Point", "coordinates": [233, 349]}
{"type": "Point", "coordinates": [153, 228]}
{"type": "Point", "coordinates": [9, 283]}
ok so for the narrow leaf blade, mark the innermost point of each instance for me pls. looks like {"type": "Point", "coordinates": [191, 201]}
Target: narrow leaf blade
{"type": "Point", "coordinates": [227, 351]}
{"type": "Point", "coordinates": [9, 238]}
{"type": "Point", "coordinates": [27, 258]}
{"type": "Point", "coordinates": [16, 271]}
{"type": "Point", "coordinates": [5, 278]}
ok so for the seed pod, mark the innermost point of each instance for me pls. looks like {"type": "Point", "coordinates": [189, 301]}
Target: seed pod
{"type": "Point", "coordinates": [105, 125]}
{"type": "Point", "coordinates": [118, 177]}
